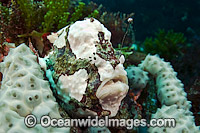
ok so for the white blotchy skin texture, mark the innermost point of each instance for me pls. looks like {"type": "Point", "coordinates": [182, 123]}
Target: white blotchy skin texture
{"type": "Point", "coordinates": [111, 94]}
{"type": "Point", "coordinates": [74, 85]}
{"type": "Point", "coordinates": [53, 37]}
{"type": "Point", "coordinates": [82, 37]}
{"type": "Point", "coordinates": [61, 42]}
{"type": "Point", "coordinates": [24, 92]}
{"type": "Point", "coordinates": [113, 89]}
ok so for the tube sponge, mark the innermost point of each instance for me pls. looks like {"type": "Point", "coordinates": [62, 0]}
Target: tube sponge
{"type": "Point", "coordinates": [138, 78]}
{"type": "Point", "coordinates": [171, 95]}
{"type": "Point", "coordinates": [184, 123]}
{"type": "Point", "coordinates": [24, 91]}
{"type": "Point", "coordinates": [170, 89]}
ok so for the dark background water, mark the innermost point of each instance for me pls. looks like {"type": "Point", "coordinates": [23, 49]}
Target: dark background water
{"type": "Point", "coordinates": [150, 15]}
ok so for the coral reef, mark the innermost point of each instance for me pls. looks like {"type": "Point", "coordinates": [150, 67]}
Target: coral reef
{"type": "Point", "coordinates": [87, 77]}
{"type": "Point", "coordinates": [18, 98]}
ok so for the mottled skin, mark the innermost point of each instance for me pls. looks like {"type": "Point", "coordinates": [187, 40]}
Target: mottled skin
{"type": "Point", "coordinates": [64, 62]}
